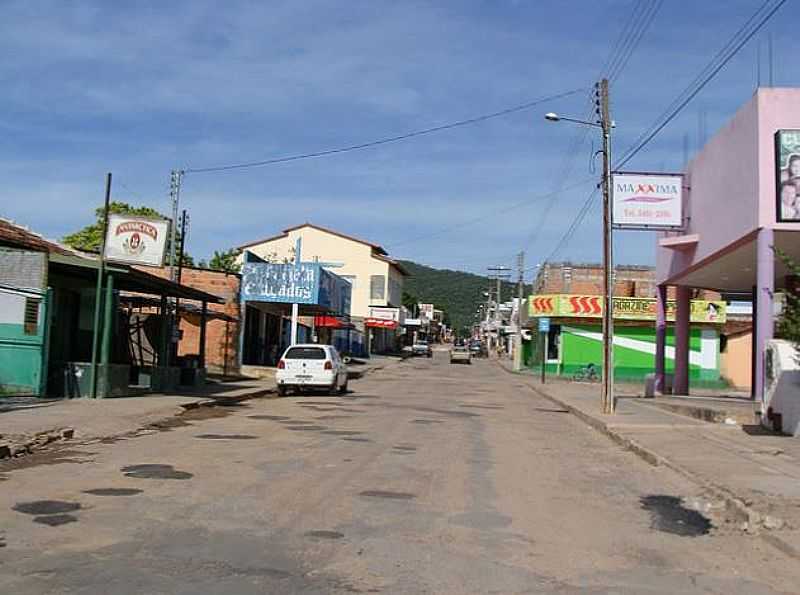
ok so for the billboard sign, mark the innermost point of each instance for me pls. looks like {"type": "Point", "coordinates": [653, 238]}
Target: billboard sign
{"type": "Point", "coordinates": [136, 240]}
{"type": "Point", "coordinates": [625, 308]}
{"type": "Point", "coordinates": [787, 167]}
{"type": "Point", "coordinates": [647, 201]}
{"type": "Point", "coordinates": [280, 283]}
{"type": "Point", "coordinates": [382, 317]}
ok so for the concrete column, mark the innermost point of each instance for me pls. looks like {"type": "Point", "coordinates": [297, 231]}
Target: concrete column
{"type": "Point", "coordinates": [682, 320]}
{"type": "Point", "coordinates": [661, 337]}
{"type": "Point", "coordinates": [765, 290]}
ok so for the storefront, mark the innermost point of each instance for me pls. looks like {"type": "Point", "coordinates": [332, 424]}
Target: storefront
{"type": "Point", "coordinates": [382, 326]}
{"type": "Point", "coordinates": [268, 292]}
{"type": "Point", "coordinates": [574, 338]}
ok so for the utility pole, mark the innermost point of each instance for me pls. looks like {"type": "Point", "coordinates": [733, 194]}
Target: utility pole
{"type": "Point", "coordinates": [98, 294]}
{"type": "Point", "coordinates": [603, 111]}
{"type": "Point", "coordinates": [175, 180]}
{"type": "Point", "coordinates": [498, 273]}
{"type": "Point", "coordinates": [520, 296]}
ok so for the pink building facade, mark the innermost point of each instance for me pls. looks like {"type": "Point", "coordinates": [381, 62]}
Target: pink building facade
{"type": "Point", "coordinates": [732, 225]}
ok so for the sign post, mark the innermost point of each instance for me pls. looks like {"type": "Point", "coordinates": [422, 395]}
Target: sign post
{"type": "Point", "coordinates": [544, 330]}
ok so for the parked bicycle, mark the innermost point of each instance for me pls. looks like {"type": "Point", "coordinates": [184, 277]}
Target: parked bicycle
{"type": "Point", "coordinates": [587, 373]}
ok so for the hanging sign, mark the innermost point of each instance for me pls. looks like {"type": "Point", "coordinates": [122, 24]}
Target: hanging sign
{"type": "Point", "coordinates": [647, 201]}
{"type": "Point", "coordinates": [136, 240]}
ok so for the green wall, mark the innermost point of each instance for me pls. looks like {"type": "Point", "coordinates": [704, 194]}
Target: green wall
{"type": "Point", "coordinates": [22, 355]}
{"type": "Point", "coordinates": [634, 348]}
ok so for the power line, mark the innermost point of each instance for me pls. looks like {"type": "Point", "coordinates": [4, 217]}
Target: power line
{"type": "Point", "coordinates": [391, 139]}
{"type": "Point", "coordinates": [729, 50]}
{"type": "Point", "coordinates": [626, 44]}
{"type": "Point", "coordinates": [484, 217]}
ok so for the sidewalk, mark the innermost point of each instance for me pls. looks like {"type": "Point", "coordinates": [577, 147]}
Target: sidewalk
{"type": "Point", "coordinates": [755, 472]}
{"type": "Point", "coordinates": [23, 419]}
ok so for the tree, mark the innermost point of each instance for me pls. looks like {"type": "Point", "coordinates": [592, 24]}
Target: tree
{"type": "Point", "coordinates": [789, 323]}
{"type": "Point", "coordinates": [90, 237]}
{"type": "Point", "coordinates": [410, 301]}
{"type": "Point", "coordinates": [225, 260]}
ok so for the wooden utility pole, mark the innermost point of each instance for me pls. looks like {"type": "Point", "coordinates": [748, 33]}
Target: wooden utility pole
{"type": "Point", "coordinates": [603, 111]}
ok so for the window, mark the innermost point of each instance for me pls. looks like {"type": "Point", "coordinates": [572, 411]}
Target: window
{"type": "Point", "coordinates": [305, 353]}
{"type": "Point", "coordinates": [31, 322]}
{"type": "Point", "coordinates": [377, 287]}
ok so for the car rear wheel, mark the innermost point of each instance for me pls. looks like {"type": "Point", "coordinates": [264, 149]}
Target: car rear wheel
{"type": "Point", "coordinates": [343, 388]}
{"type": "Point", "coordinates": [281, 391]}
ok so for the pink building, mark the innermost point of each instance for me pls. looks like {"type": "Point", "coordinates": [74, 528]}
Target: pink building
{"type": "Point", "coordinates": [734, 219]}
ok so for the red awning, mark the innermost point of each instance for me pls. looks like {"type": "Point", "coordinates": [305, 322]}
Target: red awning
{"type": "Point", "coordinates": [380, 323]}
{"type": "Point", "coordinates": [331, 322]}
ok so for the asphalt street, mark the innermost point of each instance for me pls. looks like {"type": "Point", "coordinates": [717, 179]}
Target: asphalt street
{"type": "Point", "coordinates": [426, 478]}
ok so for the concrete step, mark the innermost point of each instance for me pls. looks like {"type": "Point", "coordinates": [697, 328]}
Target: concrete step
{"type": "Point", "coordinates": [712, 410]}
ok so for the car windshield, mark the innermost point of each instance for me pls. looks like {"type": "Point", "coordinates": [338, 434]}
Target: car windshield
{"type": "Point", "coordinates": [305, 353]}
{"type": "Point", "coordinates": [423, 343]}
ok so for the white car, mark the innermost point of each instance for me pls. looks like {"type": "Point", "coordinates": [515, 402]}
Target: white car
{"type": "Point", "coordinates": [312, 366]}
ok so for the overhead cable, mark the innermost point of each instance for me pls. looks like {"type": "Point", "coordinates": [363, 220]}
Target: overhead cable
{"type": "Point", "coordinates": [387, 140]}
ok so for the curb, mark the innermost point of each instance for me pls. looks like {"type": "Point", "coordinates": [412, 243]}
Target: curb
{"type": "Point", "coordinates": [751, 520]}
{"type": "Point", "coordinates": [10, 451]}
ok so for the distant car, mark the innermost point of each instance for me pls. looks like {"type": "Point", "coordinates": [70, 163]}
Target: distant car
{"type": "Point", "coordinates": [311, 366]}
{"type": "Point", "coordinates": [476, 348]}
{"type": "Point", "coordinates": [460, 354]}
{"type": "Point", "coordinates": [422, 348]}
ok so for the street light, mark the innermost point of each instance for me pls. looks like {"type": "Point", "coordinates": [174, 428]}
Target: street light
{"type": "Point", "coordinates": [605, 124]}
{"type": "Point", "coordinates": [554, 117]}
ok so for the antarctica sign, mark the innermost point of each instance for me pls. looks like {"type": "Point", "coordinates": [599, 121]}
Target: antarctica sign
{"type": "Point", "coordinates": [647, 201]}
{"type": "Point", "coordinates": [136, 240]}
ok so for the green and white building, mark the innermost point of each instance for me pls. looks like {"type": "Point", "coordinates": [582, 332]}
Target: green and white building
{"type": "Point", "coordinates": [574, 338]}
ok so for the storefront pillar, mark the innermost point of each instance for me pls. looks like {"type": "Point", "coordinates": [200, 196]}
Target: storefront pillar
{"type": "Point", "coordinates": [108, 324]}
{"type": "Point", "coordinates": [661, 338]}
{"type": "Point", "coordinates": [682, 320]}
{"type": "Point", "coordinates": [765, 290]}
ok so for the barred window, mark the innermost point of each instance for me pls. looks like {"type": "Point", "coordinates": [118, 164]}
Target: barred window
{"type": "Point", "coordinates": [31, 322]}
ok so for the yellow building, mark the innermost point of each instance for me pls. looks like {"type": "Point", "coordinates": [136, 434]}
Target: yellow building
{"type": "Point", "coordinates": [376, 279]}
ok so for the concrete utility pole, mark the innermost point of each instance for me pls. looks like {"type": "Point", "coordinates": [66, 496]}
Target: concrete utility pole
{"type": "Point", "coordinates": [520, 296]}
{"type": "Point", "coordinates": [602, 103]}
{"type": "Point", "coordinates": [498, 273]}
{"type": "Point", "coordinates": [175, 180]}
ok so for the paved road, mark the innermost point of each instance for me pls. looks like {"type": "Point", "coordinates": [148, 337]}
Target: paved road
{"type": "Point", "coordinates": [427, 478]}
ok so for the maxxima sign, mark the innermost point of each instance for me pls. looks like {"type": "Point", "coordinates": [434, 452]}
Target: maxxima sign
{"type": "Point", "coordinates": [647, 201]}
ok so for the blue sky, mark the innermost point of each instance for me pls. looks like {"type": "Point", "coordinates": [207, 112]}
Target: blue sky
{"type": "Point", "coordinates": [140, 88]}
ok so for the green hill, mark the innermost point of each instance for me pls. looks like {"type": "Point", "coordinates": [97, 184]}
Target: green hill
{"type": "Point", "coordinates": [457, 293]}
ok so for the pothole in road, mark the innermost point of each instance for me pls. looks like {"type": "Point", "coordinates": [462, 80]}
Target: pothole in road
{"type": "Point", "coordinates": [669, 515]}
{"type": "Point", "coordinates": [387, 494]}
{"type": "Point", "coordinates": [405, 448]}
{"type": "Point", "coordinates": [321, 534]}
{"type": "Point", "coordinates": [311, 428]}
{"type": "Point", "coordinates": [270, 417]}
{"type": "Point", "coordinates": [332, 417]}
{"type": "Point", "coordinates": [479, 406]}
{"type": "Point", "coordinates": [295, 422]}
{"type": "Point", "coordinates": [113, 491]}
{"type": "Point", "coordinates": [55, 520]}
{"type": "Point", "coordinates": [355, 439]}
{"type": "Point", "coordinates": [155, 471]}
{"type": "Point", "coordinates": [342, 432]}
{"type": "Point", "coordinates": [41, 507]}
{"type": "Point", "coordinates": [226, 436]}
{"type": "Point", "coordinates": [547, 410]}
{"type": "Point", "coordinates": [427, 421]}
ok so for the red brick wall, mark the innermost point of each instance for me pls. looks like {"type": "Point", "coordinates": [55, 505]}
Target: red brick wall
{"type": "Point", "coordinates": [222, 338]}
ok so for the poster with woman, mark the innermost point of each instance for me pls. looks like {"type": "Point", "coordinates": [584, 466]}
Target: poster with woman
{"type": "Point", "coordinates": [787, 157]}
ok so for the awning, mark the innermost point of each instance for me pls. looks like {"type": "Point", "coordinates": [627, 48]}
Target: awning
{"type": "Point", "coordinates": [332, 322]}
{"type": "Point", "coordinates": [183, 307]}
{"type": "Point", "coordinates": [128, 279]}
